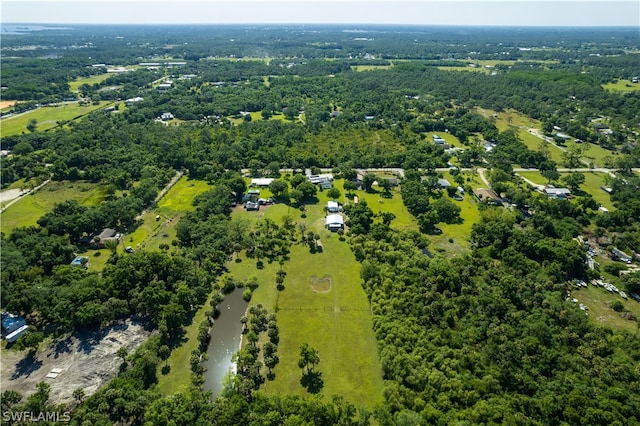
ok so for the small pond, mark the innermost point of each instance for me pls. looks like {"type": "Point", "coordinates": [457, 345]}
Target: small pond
{"type": "Point", "coordinates": [226, 335]}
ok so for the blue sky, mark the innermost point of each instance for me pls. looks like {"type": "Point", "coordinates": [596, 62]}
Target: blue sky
{"type": "Point", "coordinates": [427, 12]}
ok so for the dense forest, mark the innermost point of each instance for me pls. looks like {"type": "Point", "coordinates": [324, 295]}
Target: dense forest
{"type": "Point", "coordinates": [485, 336]}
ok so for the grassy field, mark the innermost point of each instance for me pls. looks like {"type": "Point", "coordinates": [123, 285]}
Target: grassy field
{"type": "Point", "coordinates": [467, 68]}
{"type": "Point", "coordinates": [592, 183]}
{"type": "Point", "coordinates": [455, 237]}
{"type": "Point", "coordinates": [622, 86]}
{"type": "Point", "coordinates": [47, 117]}
{"type": "Point", "coordinates": [334, 322]}
{"type": "Point", "coordinates": [98, 78]}
{"type": "Point", "coordinates": [31, 207]}
{"type": "Point", "coordinates": [360, 68]}
{"type": "Point", "coordinates": [178, 200]}
{"type": "Point", "coordinates": [598, 301]}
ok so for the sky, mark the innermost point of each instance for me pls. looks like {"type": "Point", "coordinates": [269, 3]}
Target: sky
{"type": "Point", "coordinates": [565, 13]}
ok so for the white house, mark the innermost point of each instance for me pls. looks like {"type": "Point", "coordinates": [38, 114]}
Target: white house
{"type": "Point", "coordinates": [334, 222]}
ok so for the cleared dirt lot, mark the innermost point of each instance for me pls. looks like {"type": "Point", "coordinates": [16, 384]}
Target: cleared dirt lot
{"type": "Point", "coordinates": [85, 361]}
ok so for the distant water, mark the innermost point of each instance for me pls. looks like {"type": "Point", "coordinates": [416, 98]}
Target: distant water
{"type": "Point", "coordinates": [27, 28]}
{"type": "Point", "coordinates": [226, 335]}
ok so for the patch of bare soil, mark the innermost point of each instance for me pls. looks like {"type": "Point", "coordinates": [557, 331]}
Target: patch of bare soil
{"type": "Point", "coordinates": [320, 285]}
{"type": "Point", "coordinates": [84, 360]}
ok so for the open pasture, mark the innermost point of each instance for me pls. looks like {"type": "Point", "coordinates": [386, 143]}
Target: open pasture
{"type": "Point", "coordinates": [33, 206]}
{"type": "Point", "coordinates": [47, 117]}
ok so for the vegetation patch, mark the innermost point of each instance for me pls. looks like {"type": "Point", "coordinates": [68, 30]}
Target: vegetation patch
{"type": "Point", "coordinates": [320, 285]}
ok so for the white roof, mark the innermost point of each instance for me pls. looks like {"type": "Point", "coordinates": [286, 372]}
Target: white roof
{"type": "Point", "coordinates": [332, 204]}
{"type": "Point", "coordinates": [557, 191]}
{"type": "Point", "coordinates": [261, 181]}
{"type": "Point", "coordinates": [334, 219]}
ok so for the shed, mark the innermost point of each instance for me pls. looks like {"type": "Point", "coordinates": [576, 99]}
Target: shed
{"type": "Point", "coordinates": [333, 206]}
{"type": "Point", "coordinates": [444, 184]}
{"type": "Point", "coordinates": [560, 193]}
{"type": "Point", "coordinates": [334, 222]}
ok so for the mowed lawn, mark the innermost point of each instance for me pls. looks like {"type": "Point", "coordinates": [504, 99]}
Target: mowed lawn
{"type": "Point", "coordinates": [32, 207]}
{"type": "Point", "coordinates": [47, 117]}
{"type": "Point", "coordinates": [74, 86]}
{"type": "Point", "coordinates": [337, 322]}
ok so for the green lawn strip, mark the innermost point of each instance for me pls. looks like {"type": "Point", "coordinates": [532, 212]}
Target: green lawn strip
{"type": "Point", "coordinates": [47, 117]}
{"type": "Point", "coordinates": [98, 78]}
{"type": "Point", "coordinates": [533, 143]}
{"type": "Point", "coordinates": [598, 300]}
{"type": "Point", "coordinates": [179, 377]}
{"type": "Point", "coordinates": [455, 237]}
{"type": "Point", "coordinates": [403, 221]}
{"type": "Point", "coordinates": [32, 207]}
{"type": "Point", "coordinates": [360, 68]}
{"type": "Point", "coordinates": [622, 86]}
{"type": "Point", "coordinates": [179, 199]}
{"type": "Point", "coordinates": [592, 183]}
{"type": "Point", "coordinates": [465, 68]}
{"type": "Point", "coordinates": [596, 153]}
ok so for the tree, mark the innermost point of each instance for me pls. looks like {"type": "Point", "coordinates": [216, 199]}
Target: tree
{"type": "Point", "coordinates": [278, 188]}
{"type": "Point", "coordinates": [349, 186]}
{"type": "Point", "coordinates": [32, 125]}
{"type": "Point", "coordinates": [79, 395]}
{"type": "Point", "coordinates": [334, 193]}
{"type": "Point", "coordinates": [548, 170]}
{"type": "Point", "coordinates": [163, 352]}
{"type": "Point", "coordinates": [447, 211]}
{"type": "Point", "coordinates": [123, 353]}
{"type": "Point", "coordinates": [573, 181]}
{"type": "Point", "coordinates": [309, 358]}
{"type": "Point", "coordinates": [367, 182]}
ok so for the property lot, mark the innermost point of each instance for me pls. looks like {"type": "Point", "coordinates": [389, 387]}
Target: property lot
{"type": "Point", "coordinates": [85, 361]}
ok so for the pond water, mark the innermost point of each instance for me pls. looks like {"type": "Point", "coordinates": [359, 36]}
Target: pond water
{"type": "Point", "coordinates": [226, 334]}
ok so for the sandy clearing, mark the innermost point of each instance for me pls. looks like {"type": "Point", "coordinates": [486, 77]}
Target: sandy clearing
{"type": "Point", "coordinates": [86, 361]}
{"type": "Point", "coordinates": [4, 104]}
{"type": "Point", "coordinates": [10, 194]}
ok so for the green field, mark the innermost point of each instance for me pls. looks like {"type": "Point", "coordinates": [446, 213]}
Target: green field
{"type": "Point", "coordinates": [336, 322]}
{"type": "Point", "coordinates": [622, 86]}
{"type": "Point", "coordinates": [176, 202]}
{"type": "Point", "coordinates": [360, 68]}
{"type": "Point", "coordinates": [47, 117]}
{"type": "Point", "coordinates": [598, 300]}
{"type": "Point", "coordinates": [32, 207]}
{"type": "Point", "coordinates": [592, 183]}
{"type": "Point", "coordinates": [94, 79]}
{"type": "Point", "coordinates": [467, 68]}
